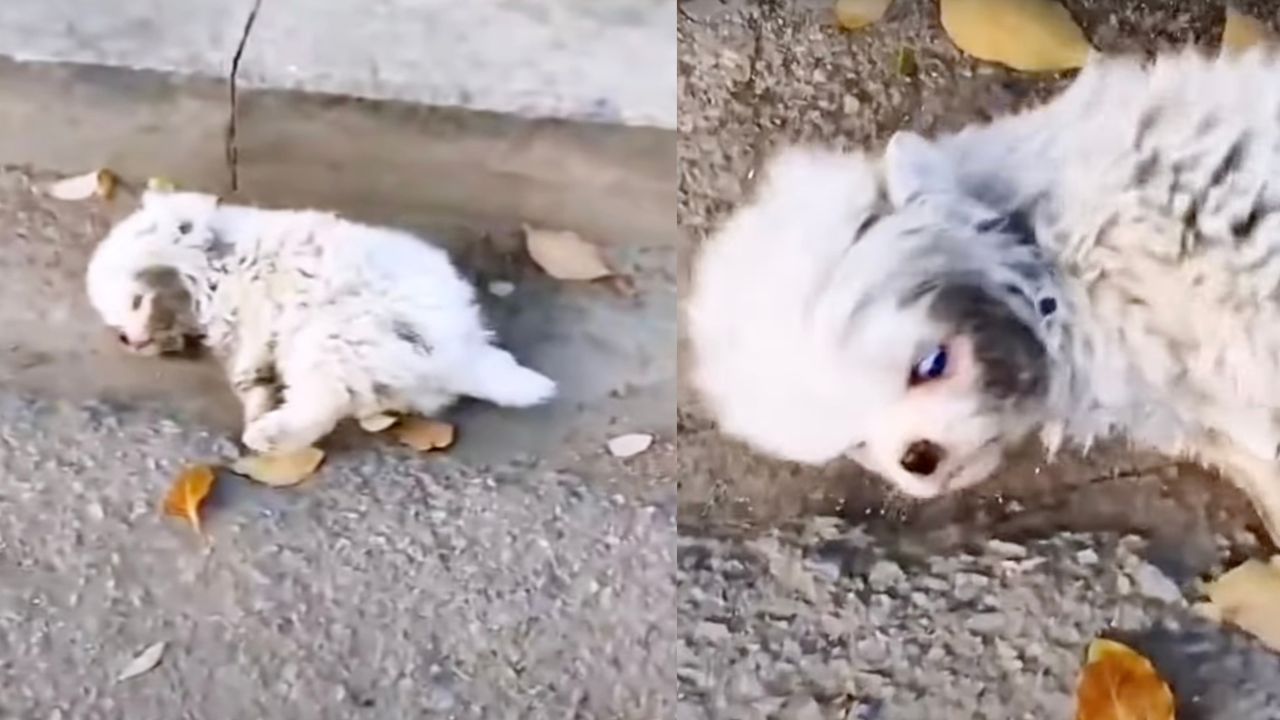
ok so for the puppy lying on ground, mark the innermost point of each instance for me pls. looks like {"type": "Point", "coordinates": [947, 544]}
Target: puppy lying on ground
{"type": "Point", "coordinates": [315, 318]}
{"type": "Point", "coordinates": [1107, 264]}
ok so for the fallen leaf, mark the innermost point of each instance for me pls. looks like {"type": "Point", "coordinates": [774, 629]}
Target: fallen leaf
{"type": "Point", "coordinates": [280, 469]}
{"type": "Point", "coordinates": [1241, 32]}
{"type": "Point", "coordinates": [160, 184]}
{"type": "Point", "coordinates": [424, 433]}
{"type": "Point", "coordinates": [906, 64]}
{"type": "Point", "coordinates": [188, 492]}
{"type": "Point", "coordinates": [629, 445]}
{"type": "Point", "coordinates": [1119, 684]}
{"type": "Point", "coordinates": [564, 255]}
{"type": "Point", "coordinates": [146, 661]}
{"type": "Point", "coordinates": [856, 14]}
{"type": "Point", "coordinates": [377, 423]}
{"type": "Point", "coordinates": [1248, 596]}
{"type": "Point", "coordinates": [100, 183]}
{"type": "Point", "coordinates": [1028, 35]}
{"type": "Point", "coordinates": [623, 285]}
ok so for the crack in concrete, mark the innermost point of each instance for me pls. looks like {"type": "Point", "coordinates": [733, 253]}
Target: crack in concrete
{"type": "Point", "coordinates": [232, 149]}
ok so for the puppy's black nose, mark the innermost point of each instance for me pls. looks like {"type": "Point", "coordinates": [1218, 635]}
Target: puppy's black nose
{"type": "Point", "coordinates": [922, 458]}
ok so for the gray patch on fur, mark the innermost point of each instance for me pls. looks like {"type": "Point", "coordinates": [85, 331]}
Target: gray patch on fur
{"type": "Point", "coordinates": [1012, 360]}
{"type": "Point", "coordinates": [1146, 122]}
{"type": "Point", "coordinates": [406, 332]}
{"type": "Point", "coordinates": [217, 248]}
{"type": "Point", "coordinates": [172, 318]}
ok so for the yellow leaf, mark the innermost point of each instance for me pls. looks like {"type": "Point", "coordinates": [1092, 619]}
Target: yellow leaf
{"type": "Point", "coordinates": [1028, 35]}
{"type": "Point", "coordinates": [188, 492]}
{"type": "Point", "coordinates": [906, 63]}
{"type": "Point", "coordinates": [629, 445]}
{"type": "Point", "coordinates": [424, 434]}
{"type": "Point", "coordinates": [377, 423]}
{"type": "Point", "coordinates": [145, 662]}
{"type": "Point", "coordinates": [1241, 32]}
{"type": "Point", "coordinates": [1248, 596]}
{"type": "Point", "coordinates": [564, 255]}
{"type": "Point", "coordinates": [1119, 684]}
{"type": "Point", "coordinates": [160, 184]}
{"type": "Point", "coordinates": [280, 469]}
{"type": "Point", "coordinates": [855, 14]}
{"type": "Point", "coordinates": [100, 183]}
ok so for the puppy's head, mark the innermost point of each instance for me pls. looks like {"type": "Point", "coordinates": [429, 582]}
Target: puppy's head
{"type": "Point", "coordinates": [135, 279]}
{"type": "Point", "coordinates": [870, 311]}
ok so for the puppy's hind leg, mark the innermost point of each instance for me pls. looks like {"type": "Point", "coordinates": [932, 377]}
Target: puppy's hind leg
{"type": "Point", "coordinates": [1258, 478]}
{"type": "Point", "coordinates": [493, 374]}
{"type": "Point", "coordinates": [314, 403]}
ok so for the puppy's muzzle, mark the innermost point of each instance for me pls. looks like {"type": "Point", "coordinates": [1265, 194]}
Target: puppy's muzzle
{"type": "Point", "coordinates": [922, 458]}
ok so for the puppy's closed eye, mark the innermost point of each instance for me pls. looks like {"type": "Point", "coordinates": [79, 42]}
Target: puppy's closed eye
{"type": "Point", "coordinates": [137, 302]}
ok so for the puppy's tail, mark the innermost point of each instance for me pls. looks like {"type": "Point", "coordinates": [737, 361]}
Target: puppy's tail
{"type": "Point", "coordinates": [494, 375]}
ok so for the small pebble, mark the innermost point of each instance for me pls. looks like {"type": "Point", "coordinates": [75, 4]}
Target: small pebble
{"type": "Point", "coordinates": [1154, 584]}
{"type": "Point", "coordinates": [885, 574]}
{"type": "Point", "coordinates": [501, 288]}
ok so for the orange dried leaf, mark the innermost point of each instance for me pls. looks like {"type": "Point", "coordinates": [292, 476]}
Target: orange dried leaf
{"type": "Point", "coordinates": [188, 492]}
{"type": "Point", "coordinates": [280, 469]}
{"type": "Point", "coordinates": [1119, 684]}
{"type": "Point", "coordinates": [424, 434]}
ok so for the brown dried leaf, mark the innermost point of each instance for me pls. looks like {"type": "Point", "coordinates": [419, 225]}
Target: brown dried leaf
{"type": "Point", "coordinates": [1248, 596]}
{"type": "Point", "coordinates": [1028, 35]}
{"type": "Point", "coordinates": [1241, 32]}
{"type": "Point", "coordinates": [99, 183]}
{"type": "Point", "coordinates": [188, 493]}
{"type": "Point", "coordinates": [1119, 684]}
{"type": "Point", "coordinates": [424, 433]}
{"type": "Point", "coordinates": [564, 255]}
{"type": "Point", "coordinates": [857, 14]}
{"type": "Point", "coordinates": [281, 469]}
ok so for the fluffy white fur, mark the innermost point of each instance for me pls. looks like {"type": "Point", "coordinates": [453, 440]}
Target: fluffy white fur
{"type": "Point", "coordinates": [314, 317]}
{"type": "Point", "coordinates": [1106, 264]}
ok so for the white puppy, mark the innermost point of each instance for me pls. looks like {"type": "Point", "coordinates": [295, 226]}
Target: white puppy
{"type": "Point", "coordinates": [1107, 264]}
{"type": "Point", "coordinates": [314, 317]}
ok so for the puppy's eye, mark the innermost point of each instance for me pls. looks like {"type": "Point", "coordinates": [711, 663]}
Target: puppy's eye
{"type": "Point", "coordinates": [137, 301]}
{"type": "Point", "coordinates": [931, 367]}
{"type": "Point", "coordinates": [184, 227]}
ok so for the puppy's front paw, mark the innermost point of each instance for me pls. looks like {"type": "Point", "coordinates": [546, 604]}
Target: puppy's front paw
{"type": "Point", "coordinates": [273, 433]}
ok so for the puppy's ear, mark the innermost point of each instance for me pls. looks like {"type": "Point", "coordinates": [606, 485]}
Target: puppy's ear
{"type": "Point", "coordinates": [151, 198]}
{"type": "Point", "coordinates": [913, 166]}
{"type": "Point", "coordinates": [168, 304]}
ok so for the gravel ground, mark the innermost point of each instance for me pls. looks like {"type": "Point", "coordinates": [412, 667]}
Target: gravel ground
{"type": "Point", "coordinates": [827, 622]}
{"type": "Point", "coordinates": [899, 609]}
{"type": "Point", "coordinates": [390, 585]}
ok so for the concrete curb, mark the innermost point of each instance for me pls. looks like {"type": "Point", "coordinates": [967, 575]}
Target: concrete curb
{"type": "Point", "coordinates": [383, 159]}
